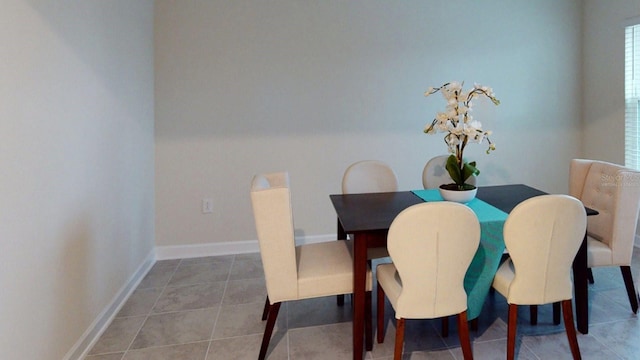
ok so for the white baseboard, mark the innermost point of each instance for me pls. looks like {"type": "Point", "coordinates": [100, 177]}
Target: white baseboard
{"type": "Point", "coordinates": [98, 327]}
{"type": "Point", "coordinates": [226, 248]}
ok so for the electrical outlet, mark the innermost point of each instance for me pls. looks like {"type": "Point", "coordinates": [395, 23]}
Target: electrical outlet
{"type": "Point", "coordinates": [207, 206]}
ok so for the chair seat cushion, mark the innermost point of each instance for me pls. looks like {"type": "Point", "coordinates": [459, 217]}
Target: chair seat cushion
{"type": "Point", "coordinates": [503, 278]}
{"type": "Point", "coordinates": [377, 253]}
{"type": "Point", "coordinates": [326, 269]}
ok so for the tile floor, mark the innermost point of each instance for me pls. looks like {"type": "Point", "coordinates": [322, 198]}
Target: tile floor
{"type": "Point", "coordinates": [210, 308]}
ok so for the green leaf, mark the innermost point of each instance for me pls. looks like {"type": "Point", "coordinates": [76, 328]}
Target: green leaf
{"type": "Point", "coordinates": [454, 170]}
{"type": "Point", "coordinates": [468, 170]}
{"type": "Point", "coordinates": [458, 175]}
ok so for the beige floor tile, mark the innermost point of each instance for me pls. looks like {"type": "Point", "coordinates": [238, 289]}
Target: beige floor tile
{"type": "Point", "coordinates": [246, 269]}
{"type": "Point", "coordinates": [200, 274]}
{"type": "Point", "coordinates": [118, 335]}
{"type": "Point", "coordinates": [140, 302]}
{"type": "Point", "coordinates": [318, 311]}
{"type": "Point", "coordinates": [193, 351]}
{"type": "Point", "coordinates": [497, 350]}
{"type": "Point", "coordinates": [556, 346]}
{"type": "Point", "coordinates": [190, 297]}
{"type": "Point", "coordinates": [248, 348]}
{"type": "Point", "coordinates": [245, 319]}
{"type": "Point", "coordinates": [176, 328]}
{"type": "Point", "coordinates": [444, 354]}
{"type": "Point", "coordinates": [158, 277]}
{"type": "Point", "coordinates": [245, 291]}
{"type": "Point", "coordinates": [622, 337]}
{"type": "Point", "coordinates": [224, 260]}
{"type": "Point", "coordinates": [114, 356]}
{"type": "Point", "coordinates": [321, 342]}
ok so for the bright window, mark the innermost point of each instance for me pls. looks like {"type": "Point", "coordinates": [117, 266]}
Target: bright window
{"type": "Point", "coordinates": [632, 95]}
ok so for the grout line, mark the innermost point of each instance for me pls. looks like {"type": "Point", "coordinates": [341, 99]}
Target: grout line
{"type": "Point", "coordinates": [224, 292]}
{"type": "Point", "coordinates": [164, 288]}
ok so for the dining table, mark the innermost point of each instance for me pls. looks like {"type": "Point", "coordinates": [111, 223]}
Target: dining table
{"type": "Point", "coordinates": [366, 217]}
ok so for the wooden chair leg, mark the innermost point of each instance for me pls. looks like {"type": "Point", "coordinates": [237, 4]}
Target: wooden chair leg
{"type": "Point", "coordinates": [533, 313]}
{"type": "Point", "coordinates": [556, 313]}
{"type": "Point", "coordinates": [511, 331]}
{"type": "Point", "coordinates": [341, 236]}
{"type": "Point", "coordinates": [590, 276]}
{"type": "Point", "coordinates": [397, 352]}
{"type": "Point", "coordinates": [631, 291]}
{"type": "Point", "coordinates": [463, 335]}
{"type": "Point", "coordinates": [265, 312]}
{"type": "Point", "coordinates": [268, 330]}
{"type": "Point", "coordinates": [368, 328]}
{"type": "Point", "coordinates": [567, 312]}
{"type": "Point", "coordinates": [380, 314]}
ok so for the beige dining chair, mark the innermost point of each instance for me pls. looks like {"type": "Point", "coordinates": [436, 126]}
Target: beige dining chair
{"type": "Point", "coordinates": [368, 176]}
{"type": "Point", "coordinates": [435, 173]}
{"type": "Point", "coordinates": [296, 272]}
{"type": "Point", "coordinates": [543, 235]}
{"type": "Point", "coordinates": [431, 246]}
{"type": "Point", "coordinates": [614, 191]}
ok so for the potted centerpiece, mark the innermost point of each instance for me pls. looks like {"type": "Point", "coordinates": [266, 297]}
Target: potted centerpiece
{"type": "Point", "coordinates": [460, 129]}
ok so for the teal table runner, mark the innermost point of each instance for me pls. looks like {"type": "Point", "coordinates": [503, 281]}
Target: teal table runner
{"type": "Point", "coordinates": [484, 265]}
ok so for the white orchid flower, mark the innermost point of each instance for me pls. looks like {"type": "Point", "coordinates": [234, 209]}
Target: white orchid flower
{"type": "Point", "coordinates": [456, 120]}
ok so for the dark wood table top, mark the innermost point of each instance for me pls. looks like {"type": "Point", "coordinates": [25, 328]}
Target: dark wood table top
{"type": "Point", "coordinates": [376, 211]}
{"type": "Point", "coordinates": [506, 197]}
{"type": "Point", "coordinates": [371, 211]}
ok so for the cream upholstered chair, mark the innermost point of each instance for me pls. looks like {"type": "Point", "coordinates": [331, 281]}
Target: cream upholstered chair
{"type": "Point", "coordinates": [543, 235]}
{"type": "Point", "coordinates": [431, 245]}
{"type": "Point", "coordinates": [369, 176]}
{"type": "Point", "coordinates": [296, 272]}
{"type": "Point", "coordinates": [614, 191]}
{"type": "Point", "coordinates": [365, 177]}
{"type": "Point", "coordinates": [435, 173]}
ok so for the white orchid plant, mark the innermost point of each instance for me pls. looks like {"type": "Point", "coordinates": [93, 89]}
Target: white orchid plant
{"type": "Point", "coordinates": [460, 128]}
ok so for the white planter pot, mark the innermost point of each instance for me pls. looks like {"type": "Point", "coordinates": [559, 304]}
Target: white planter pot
{"type": "Point", "coordinates": [459, 196]}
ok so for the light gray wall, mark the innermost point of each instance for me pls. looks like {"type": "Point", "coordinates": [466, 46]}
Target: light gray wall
{"type": "Point", "coordinates": [603, 111]}
{"type": "Point", "coordinates": [245, 87]}
{"type": "Point", "coordinates": [76, 148]}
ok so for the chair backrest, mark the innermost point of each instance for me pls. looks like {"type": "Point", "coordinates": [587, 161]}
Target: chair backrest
{"type": "Point", "coordinates": [435, 173]}
{"type": "Point", "coordinates": [432, 245]}
{"type": "Point", "coordinates": [614, 191]}
{"type": "Point", "coordinates": [542, 235]}
{"type": "Point", "coordinates": [271, 200]}
{"type": "Point", "coordinates": [369, 176]}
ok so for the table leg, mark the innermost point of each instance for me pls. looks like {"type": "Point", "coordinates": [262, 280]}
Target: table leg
{"type": "Point", "coordinates": [341, 236]}
{"type": "Point", "coordinates": [580, 284]}
{"type": "Point", "coordinates": [359, 289]}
